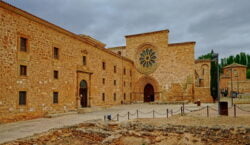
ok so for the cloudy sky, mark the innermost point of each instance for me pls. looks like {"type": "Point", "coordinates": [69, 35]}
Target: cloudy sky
{"type": "Point", "coordinates": [222, 25]}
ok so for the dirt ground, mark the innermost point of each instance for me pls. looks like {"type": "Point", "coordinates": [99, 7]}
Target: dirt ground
{"type": "Point", "coordinates": [163, 131]}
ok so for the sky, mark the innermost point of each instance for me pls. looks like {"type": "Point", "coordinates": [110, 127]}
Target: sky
{"type": "Point", "coordinates": [221, 25]}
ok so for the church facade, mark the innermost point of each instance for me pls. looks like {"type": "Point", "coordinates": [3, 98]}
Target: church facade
{"type": "Point", "coordinates": [47, 69]}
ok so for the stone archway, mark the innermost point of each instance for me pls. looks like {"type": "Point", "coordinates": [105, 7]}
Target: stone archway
{"type": "Point", "coordinates": [149, 94]}
{"type": "Point", "coordinates": [145, 86]}
{"type": "Point", "coordinates": [83, 93]}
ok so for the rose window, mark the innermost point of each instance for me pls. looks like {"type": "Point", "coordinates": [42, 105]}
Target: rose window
{"type": "Point", "coordinates": [147, 57]}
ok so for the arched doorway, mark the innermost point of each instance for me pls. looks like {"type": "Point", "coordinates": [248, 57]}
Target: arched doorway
{"type": "Point", "coordinates": [149, 93]}
{"type": "Point", "coordinates": [83, 93]}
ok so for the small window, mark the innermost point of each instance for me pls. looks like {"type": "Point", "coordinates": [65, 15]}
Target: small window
{"type": "Point", "coordinates": [56, 74]}
{"type": "Point", "coordinates": [119, 52]}
{"type": "Point", "coordinates": [124, 96]}
{"type": "Point", "coordinates": [103, 65]}
{"type": "Point", "coordinates": [130, 84]}
{"type": "Point", "coordinates": [114, 96]}
{"type": "Point", "coordinates": [84, 61]}
{"type": "Point", "coordinates": [103, 81]}
{"type": "Point", "coordinates": [124, 83]}
{"type": "Point", "coordinates": [23, 44]}
{"type": "Point", "coordinates": [130, 73]}
{"type": "Point", "coordinates": [23, 70]}
{"type": "Point", "coordinates": [56, 53]}
{"type": "Point", "coordinates": [124, 71]}
{"type": "Point", "coordinates": [115, 69]}
{"type": "Point", "coordinates": [22, 97]}
{"type": "Point", "coordinates": [114, 82]}
{"type": "Point", "coordinates": [130, 96]}
{"type": "Point", "coordinates": [103, 96]}
{"type": "Point", "coordinates": [55, 97]}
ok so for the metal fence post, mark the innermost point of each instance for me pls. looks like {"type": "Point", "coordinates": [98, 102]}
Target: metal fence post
{"type": "Point", "coordinates": [207, 111]}
{"type": "Point", "coordinates": [153, 113]}
{"type": "Point", "coordinates": [118, 117]}
{"type": "Point", "coordinates": [128, 115]}
{"type": "Point", "coordinates": [183, 108]}
{"type": "Point", "coordinates": [137, 113]}
{"type": "Point", "coordinates": [234, 110]}
{"type": "Point", "coordinates": [167, 113]}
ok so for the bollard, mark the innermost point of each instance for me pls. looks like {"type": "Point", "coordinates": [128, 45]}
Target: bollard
{"type": "Point", "coordinates": [207, 111]}
{"type": "Point", "coordinates": [137, 113]}
{"type": "Point", "coordinates": [153, 113]}
{"type": "Point", "coordinates": [167, 113]}
{"type": "Point", "coordinates": [234, 110]}
{"type": "Point", "coordinates": [128, 115]}
{"type": "Point", "coordinates": [118, 117]}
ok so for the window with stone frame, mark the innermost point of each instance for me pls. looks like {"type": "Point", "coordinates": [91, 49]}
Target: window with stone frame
{"type": "Point", "coordinates": [115, 69]}
{"type": "Point", "coordinates": [23, 44]}
{"type": "Point", "coordinates": [114, 96]}
{"type": "Point", "coordinates": [124, 71]}
{"type": "Point", "coordinates": [56, 53]}
{"type": "Point", "coordinates": [22, 97]}
{"type": "Point", "coordinates": [124, 84]}
{"type": "Point", "coordinates": [84, 60]}
{"type": "Point", "coordinates": [103, 81]}
{"type": "Point", "coordinates": [55, 97]}
{"type": "Point", "coordinates": [103, 65]}
{"type": "Point", "coordinates": [23, 70]}
{"type": "Point", "coordinates": [114, 82]}
{"type": "Point", "coordinates": [56, 74]}
{"type": "Point", "coordinates": [124, 96]}
{"type": "Point", "coordinates": [103, 97]}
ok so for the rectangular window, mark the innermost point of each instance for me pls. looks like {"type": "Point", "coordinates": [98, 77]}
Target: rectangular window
{"type": "Point", "coordinates": [55, 97]}
{"type": "Point", "coordinates": [103, 65]}
{"type": "Point", "coordinates": [124, 71]}
{"type": "Point", "coordinates": [23, 44]}
{"type": "Point", "coordinates": [103, 81]}
{"type": "Point", "coordinates": [115, 69]}
{"type": "Point", "coordinates": [124, 97]}
{"type": "Point", "coordinates": [56, 74]}
{"type": "Point", "coordinates": [124, 83]}
{"type": "Point", "coordinates": [114, 96]}
{"type": "Point", "coordinates": [22, 97]}
{"type": "Point", "coordinates": [84, 61]}
{"type": "Point", "coordinates": [23, 70]}
{"type": "Point", "coordinates": [56, 53]}
{"type": "Point", "coordinates": [103, 96]}
{"type": "Point", "coordinates": [114, 82]}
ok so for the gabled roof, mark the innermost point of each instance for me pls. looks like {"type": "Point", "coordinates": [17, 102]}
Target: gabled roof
{"type": "Point", "coordinates": [234, 65]}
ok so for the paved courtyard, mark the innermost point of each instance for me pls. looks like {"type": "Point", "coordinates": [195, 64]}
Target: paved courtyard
{"type": "Point", "coordinates": [12, 131]}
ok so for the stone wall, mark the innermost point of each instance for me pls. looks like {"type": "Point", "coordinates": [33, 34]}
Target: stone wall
{"type": "Point", "coordinates": [39, 83]}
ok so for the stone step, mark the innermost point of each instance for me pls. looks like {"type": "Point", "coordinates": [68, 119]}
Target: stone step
{"type": "Point", "coordinates": [90, 109]}
{"type": "Point", "coordinates": [53, 115]}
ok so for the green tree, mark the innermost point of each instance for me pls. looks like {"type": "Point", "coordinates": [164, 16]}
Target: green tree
{"type": "Point", "coordinates": [237, 58]}
{"type": "Point", "coordinates": [243, 59]}
{"type": "Point", "coordinates": [248, 74]}
{"type": "Point", "coordinates": [230, 60]}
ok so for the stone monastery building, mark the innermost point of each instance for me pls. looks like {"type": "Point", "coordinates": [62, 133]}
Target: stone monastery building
{"type": "Point", "coordinates": [47, 69]}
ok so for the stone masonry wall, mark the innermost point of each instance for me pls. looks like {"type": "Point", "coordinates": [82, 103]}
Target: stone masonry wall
{"type": "Point", "coordinates": [39, 82]}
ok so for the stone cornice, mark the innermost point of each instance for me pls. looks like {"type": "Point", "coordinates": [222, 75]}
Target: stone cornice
{"type": "Point", "coordinates": [154, 32]}
{"type": "Point", "coordinates": [118, 47]}
{"type": "Point", "coordinates": [181, 43]}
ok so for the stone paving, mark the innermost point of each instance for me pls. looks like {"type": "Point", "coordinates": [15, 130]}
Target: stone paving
{"type": "Point", "coordinates": [13, 131]}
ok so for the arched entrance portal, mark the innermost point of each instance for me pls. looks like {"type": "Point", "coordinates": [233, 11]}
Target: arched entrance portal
{"type": "Point", "coordinates": [83, 93]}
{"type": "Point", "coordinates": [149, 93]}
